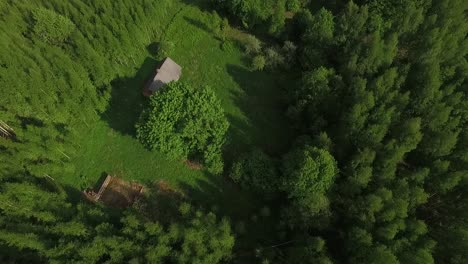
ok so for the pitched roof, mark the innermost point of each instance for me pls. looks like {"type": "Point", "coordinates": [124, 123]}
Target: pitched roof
{"type": "Point", "coordinates": [169, 71]}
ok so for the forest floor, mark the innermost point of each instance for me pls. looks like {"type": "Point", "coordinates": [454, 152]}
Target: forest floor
{"type": "Point", "coordinates": [252, 102]}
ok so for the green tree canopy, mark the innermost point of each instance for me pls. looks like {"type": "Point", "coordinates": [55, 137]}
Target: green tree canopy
{"type": "Point", "coordinates": [185, 122]}
{"type": "Point", "coordinates": [51, 27]}
{"type": "Point", "coordinates": [257, 171]}
{"type": "Point", "coordinates": [308, 174]}
{"type": "Point", "coordinates": [308, 170]}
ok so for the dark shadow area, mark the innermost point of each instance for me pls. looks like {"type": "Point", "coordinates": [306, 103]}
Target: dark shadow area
{"type": "Point", "coordinates": [99, 182]}
{"type": "Point", "coordinates": [73, 195]}
{"type": "Point", "coordinates": [210, 6]}
{"type": "Point", "coordinates": [222, 196]}
{"type": "Point", "coordinates": [127, 100]}
{"type": "Point", "coordinates": [333, 5]}
{"type": "Point", "coordinates": [50, 184]}
{"type": "Point", "coordinates": [160, 203]}
{"type": "Point", "coordinates": [76, 196]}
{"type": "Point", "coordinates": [30, 121]}
{"type": "Point", "coordinates": [263, 101]}
{"type": "Point", "coordinates": [243, 208]}
{"type": "Point", "coordinates": [114, 199]}
{"type": "Point", "coordinates": [239, 139]}
{"type": "Point", "coordinates": [153, 49]}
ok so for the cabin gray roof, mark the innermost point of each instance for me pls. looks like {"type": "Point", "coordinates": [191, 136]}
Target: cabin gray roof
{"type": "Point", "coordinates": [168, 72]}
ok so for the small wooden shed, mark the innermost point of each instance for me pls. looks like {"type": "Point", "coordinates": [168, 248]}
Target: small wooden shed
{"type": "Point", "coordinates": [167, 72]}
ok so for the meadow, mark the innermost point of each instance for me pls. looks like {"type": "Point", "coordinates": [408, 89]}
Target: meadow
{"type": "Point", "coordinates": [332, 132]}
{"type": "Point", "coordinates": [252, 102]}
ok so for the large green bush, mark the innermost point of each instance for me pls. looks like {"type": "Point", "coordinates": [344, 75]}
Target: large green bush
{"type": "Point", "coordinates": [255, 170]}
{"type": "Point", "coordinates": [51, 27]}
{"type": "Point", "coordinates": [185, 122]}
{"type": "Point", "coordinates": [258, 63]}
{"type": "Point", "coordinates": [308, 174]}
{"type": "Point", "coordinates": [308, 170]}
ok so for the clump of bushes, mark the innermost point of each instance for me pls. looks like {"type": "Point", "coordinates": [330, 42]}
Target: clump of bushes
{"type": "Point", "coordinates": [283, 57]}
{"type": "Point", "coordinates": [293, 5]}
{"type": "Point", "coordinates": [258, 63]}
{"type": "Point", "coordinates": [289, 50]}
{"type": "Point", "coordinates": [274, 58]}
{"type": "Point", "coordinates": [51, 27]}
{"type": "Point", "coordinates": [252, 45]}
{"type": "Point", "coordinates": [215, 22]}
{"type": "Point", "coordinates": [228, 46]}
{"type": "Point", "coordinates": [278, 18]}
{"type": "Point", "coordinates": [220, 27]}
{"type": "Point", "coordinates": [225, 28]}
{"type": "Point", "coordinates": [271, 57]}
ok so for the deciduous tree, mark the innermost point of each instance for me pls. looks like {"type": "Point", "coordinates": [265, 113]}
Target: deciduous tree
{"type": "Point", "coordinates": [185, 122]}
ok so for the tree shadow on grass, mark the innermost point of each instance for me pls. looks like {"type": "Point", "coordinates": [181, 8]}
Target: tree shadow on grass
{"type": "Point", "coordinates": [127, 101]}
{"type": "Point", "coordinates": [221, 195]}
{"type": "Point", "coordinates": [205, 5]}
{"type": "Point", "coordinates": [262, 100]}
{"type": "Point", "coordinates": [243, 208]}
{"type": "Point", "coordinates": [204, 27]}
{"type": "Point", "coordinates": [153, 49]}
{"type": "Point", "coordinates": [199, 24]}
{"type": "Point", "coordinates": [160, 202]}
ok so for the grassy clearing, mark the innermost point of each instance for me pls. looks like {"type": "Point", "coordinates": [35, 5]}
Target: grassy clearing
{"type": "Point", "coordinates": [252, 102]}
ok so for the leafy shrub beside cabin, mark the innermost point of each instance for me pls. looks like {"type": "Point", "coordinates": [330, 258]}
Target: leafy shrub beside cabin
{"type": "Point", "coordinates": [51, 27]}
{"type": "Point", "coordinates": [186, 123]}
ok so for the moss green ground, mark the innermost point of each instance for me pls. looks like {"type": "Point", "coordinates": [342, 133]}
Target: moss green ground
{"type": "Point", "coordinates": [251, 100]}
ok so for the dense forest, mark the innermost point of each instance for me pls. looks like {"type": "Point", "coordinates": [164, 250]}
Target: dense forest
{"type": "Point", "coordinates": [375, 171]}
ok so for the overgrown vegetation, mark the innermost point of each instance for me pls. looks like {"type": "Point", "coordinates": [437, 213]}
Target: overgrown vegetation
{"type": "Point", "coordinates": [342, 125]}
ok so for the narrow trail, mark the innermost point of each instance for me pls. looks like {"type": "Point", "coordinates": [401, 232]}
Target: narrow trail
{"type": "Point", "coordinates": [170, 22]}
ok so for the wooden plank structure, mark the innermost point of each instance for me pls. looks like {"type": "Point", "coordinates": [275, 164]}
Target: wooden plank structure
{"type": "Point", "coordinates": [6, 131]}
{"type": "Point", "coordinates": [116, 192]}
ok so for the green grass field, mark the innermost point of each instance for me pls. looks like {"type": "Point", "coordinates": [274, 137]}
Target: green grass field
{"type": "Point", "coordinates": [251, 100]}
